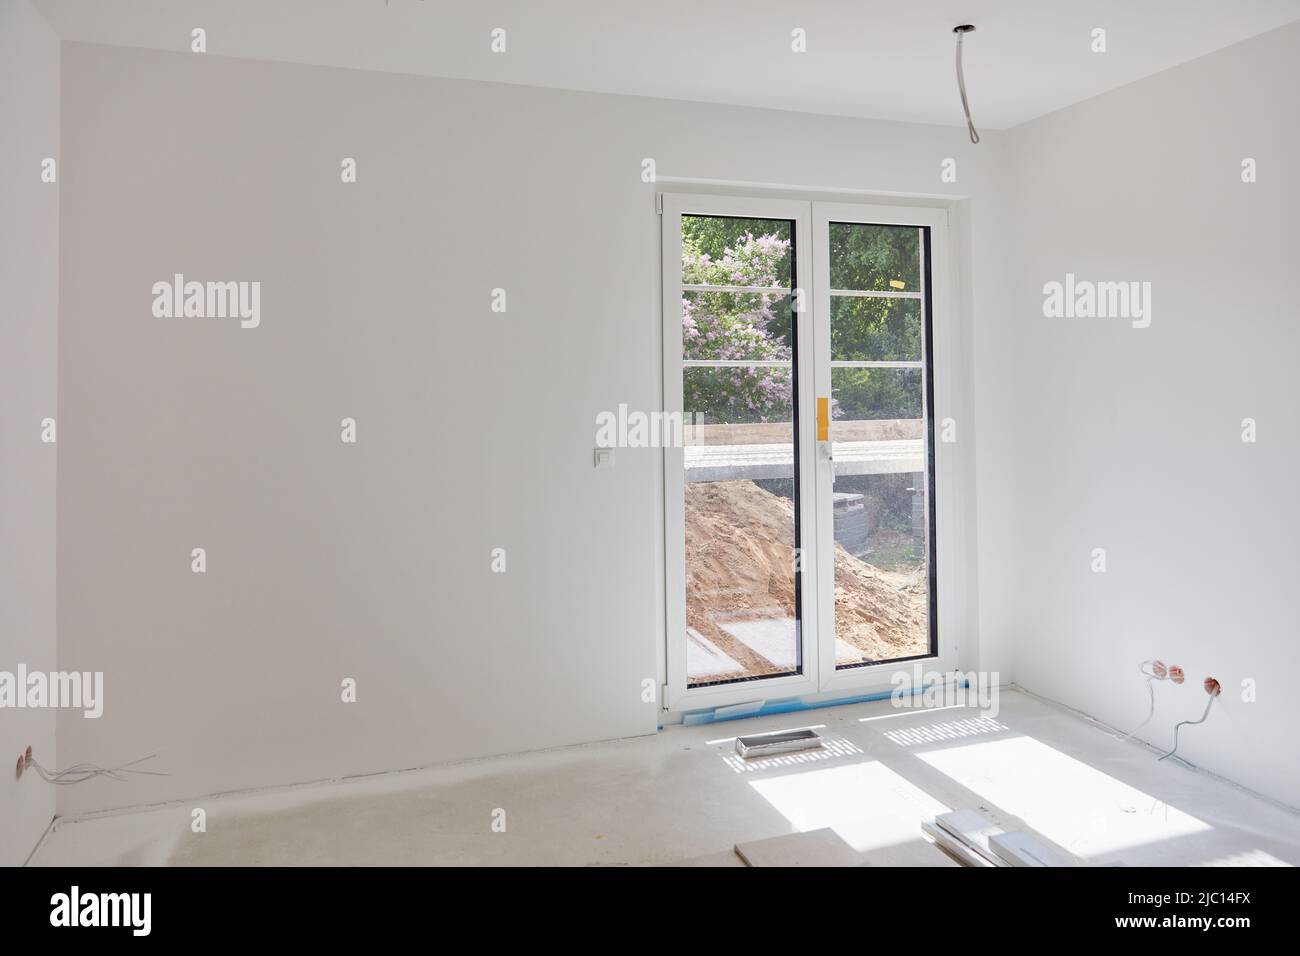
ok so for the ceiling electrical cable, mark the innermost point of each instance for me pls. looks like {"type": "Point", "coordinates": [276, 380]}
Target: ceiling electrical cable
{"type": "Point", "coordinates": [961, 31]}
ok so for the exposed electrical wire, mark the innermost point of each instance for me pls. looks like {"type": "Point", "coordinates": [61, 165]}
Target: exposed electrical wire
{"type": "Point", "coordinates": [1154, 670]}
{"type": "Point", "coordinates": [81, 772]}
{"type": "Point", "coordinates": [961, 31]}
{"type": "Point", "coordinates": [1212, 688]}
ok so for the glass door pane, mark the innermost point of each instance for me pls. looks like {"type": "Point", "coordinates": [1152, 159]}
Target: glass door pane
{"type": "Point", "coordinates": [879, 443]}
{"type": "Point", "coordinates": [742, 495]}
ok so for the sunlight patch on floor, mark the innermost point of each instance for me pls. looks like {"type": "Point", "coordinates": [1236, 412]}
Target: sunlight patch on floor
{"type": "Point", "coordinates": [867, 804]}
{"type": "Point", "coordinates": [946, 730]}
{"type": "Point", "coordinates": [830, 749]}
{"type": "Point", "coordinates": [1083, 809]}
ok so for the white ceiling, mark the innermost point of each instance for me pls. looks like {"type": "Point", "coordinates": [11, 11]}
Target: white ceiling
{"type": "Point", "coordinates": [888, 59]}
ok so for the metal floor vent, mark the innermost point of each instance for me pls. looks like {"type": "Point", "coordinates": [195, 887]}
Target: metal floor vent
{"type": "Point", "coordinates": [787, 741]}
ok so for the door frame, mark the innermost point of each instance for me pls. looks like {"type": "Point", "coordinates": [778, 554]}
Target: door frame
{"type": "Point", "coordinates": [819, 678]}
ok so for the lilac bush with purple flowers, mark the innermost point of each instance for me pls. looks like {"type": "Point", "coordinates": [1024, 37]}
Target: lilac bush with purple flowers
{"type": "Point", "coordinates": [736, 326]}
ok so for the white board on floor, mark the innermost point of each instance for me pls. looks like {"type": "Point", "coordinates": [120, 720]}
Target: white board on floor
{"type": "Point", "coordinates": [1020, 848]}
{"type": "Point", "coordinates": [973, 829]}
{"type": "Point", "coordinates": [960, 851]}
{"type": "Point", "coordinates": [814, 848]}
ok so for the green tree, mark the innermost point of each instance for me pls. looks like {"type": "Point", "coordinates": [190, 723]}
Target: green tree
{"type": "Point", "coordinates": [736, 326]}
{"type": "Point", "coordinates": [872, 329]}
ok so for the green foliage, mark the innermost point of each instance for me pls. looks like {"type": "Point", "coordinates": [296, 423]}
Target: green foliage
{"type": "Point", "coordinates": [735, 326]}
{"type": "Point", "coordinates": [875, 258]}
{"type": "Point", "coordinates": [870, 394]}
{"type": "Point", "coordinates": [719, 250]}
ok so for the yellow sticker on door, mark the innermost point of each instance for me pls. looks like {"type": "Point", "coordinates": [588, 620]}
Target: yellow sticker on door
{"type": "Point", "coordinates": [823, 419]}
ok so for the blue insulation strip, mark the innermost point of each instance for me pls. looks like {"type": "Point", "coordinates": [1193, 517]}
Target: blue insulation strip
{"type": "Point", "coordinates": [787, 706]}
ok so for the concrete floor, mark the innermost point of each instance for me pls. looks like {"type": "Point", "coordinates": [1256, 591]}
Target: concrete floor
{"type": "Point", "coordinates": [684, 797]}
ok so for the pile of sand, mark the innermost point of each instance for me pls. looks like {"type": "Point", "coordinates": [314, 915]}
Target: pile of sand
{"type": "Point", "coordinates": [739, 556]}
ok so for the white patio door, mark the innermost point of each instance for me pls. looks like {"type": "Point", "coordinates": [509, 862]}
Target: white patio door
{"type": "Point", "coordinates": [799, 508]}
{"type": "Point", "coordinates": [879, 324]}
{"type": "Point", "coordinates": [739, 501]}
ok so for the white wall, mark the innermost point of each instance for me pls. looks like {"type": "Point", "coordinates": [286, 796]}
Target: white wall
{"type": "Point", "coordinates": [1096, 434]}
{"type": "Point", "coordinates": [29, 306]}
{"type": "Point", "coordinates": [371, 561]}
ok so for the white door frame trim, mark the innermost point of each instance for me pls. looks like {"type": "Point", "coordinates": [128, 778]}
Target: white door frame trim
{"type": "Point", "coordinates": [819, 680]}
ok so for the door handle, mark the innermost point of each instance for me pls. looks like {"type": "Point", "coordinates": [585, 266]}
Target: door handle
{"type": "Point", "coordinates": [824, 428]}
